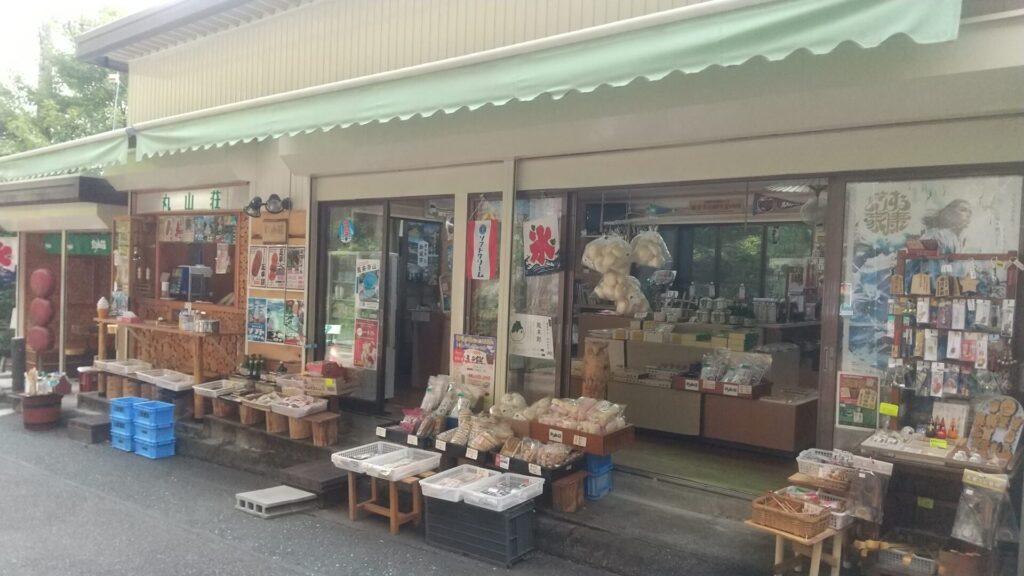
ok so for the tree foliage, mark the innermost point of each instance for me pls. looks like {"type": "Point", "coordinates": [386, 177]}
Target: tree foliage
{"type": "Point", "coordinates": [72, 99]}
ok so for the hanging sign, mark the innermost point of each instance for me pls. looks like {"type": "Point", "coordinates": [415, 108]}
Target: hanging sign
{"type": "Point", "coordinates": [365, 348]}
{"type": "Point", "coordinates": [531, 336]}
{"type": "Point", "coordinates": [858, 401]}
{"type": "Point", "coordinates": [763, 204]}
{"type": "Point", "coordinates": [542, 253]}
{"type": "Point", "coordinates": [367, 284]}
{"type": "Point", "coordinates": [346, 231]}
{"type": "Point", "coordinates": [482, 250]}
{"type": "Point", "coordinates": [199, 200]}
{"type": "Point", "coordinates": [8, 258]}
{"type": "Point", "coordinates": [473, 361]}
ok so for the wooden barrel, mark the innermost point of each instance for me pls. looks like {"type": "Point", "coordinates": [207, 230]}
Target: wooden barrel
{"type": "Point", "coordinates": [41, 412]}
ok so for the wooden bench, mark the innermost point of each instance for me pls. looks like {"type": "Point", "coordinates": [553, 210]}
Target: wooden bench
{"type": "Point", "coordinates": [324, 428]}
{"type": "Point", "coordinates": [396, 517]}
{"type": "Point", "coordinates": [805, 548]}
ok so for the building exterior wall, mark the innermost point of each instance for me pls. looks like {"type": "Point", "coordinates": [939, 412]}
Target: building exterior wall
{"type": "Point", "coordinates": [334, 40]}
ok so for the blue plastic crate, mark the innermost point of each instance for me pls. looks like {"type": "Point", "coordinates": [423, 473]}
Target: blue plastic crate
{"type": "Point", "coordinates": [121, 441]}
{"type": "Point", "coordinates": [124, 408]}
{"type": "Point", "coordinates": [154, 450]}
{"type": "Point", "coordinates": [598, 465]}
{"type": "Point", "coordinates": [154, 434]}
{"type": "Point", "coordinates": [119, 425]}
{"type": "Point", "coordinates": [154, 414]}
{"type": "Point", "coordinates": [598, 487]}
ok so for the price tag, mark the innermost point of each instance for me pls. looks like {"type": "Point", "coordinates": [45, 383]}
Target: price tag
{"type": "Point", "coordinates": [938, 443]}
{"type": "Point", "coordinates": [692, 385]}
{"type": "Point", "coordinates": [330, 385]}
{"type": "Point", "coordinates": [534, 469]}
{"type": "Point", "coordinates": [730, 390]}
{"type": "Point", "coordinates": [709, 385]}
{"type": "Point", "coordinates": [381, 432]}
{"type": "Point", "coordinates": [580, 441]}
{"type": "Point", "coordinates": [554, 435]}
{"type": "Point", "coordinates": [412, 440]}
{"type": "Point", "coordinates": [746, 389]}
{"type": "Point", "coordinates": [472, 454]}
{"type": "Point", "coordinates": [440, 445]}
{"type": "Point", "coordinates": [886, 409]}
{"type": "Point", "coordinates": [503, 462]}
{"type": "Point", "coordinates": [926, 503]}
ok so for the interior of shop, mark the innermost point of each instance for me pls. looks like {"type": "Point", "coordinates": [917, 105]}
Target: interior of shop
{"type": "Point", "coordinates": [410, 294]}
{"type": "Point", "coordinates": [735, 266]}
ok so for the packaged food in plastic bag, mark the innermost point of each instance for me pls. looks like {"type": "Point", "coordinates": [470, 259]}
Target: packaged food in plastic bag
{"type": "Point", "coordinates": [437, 387]}
{"type": "Point", "coordinates": [412, 417]}
{"type": "Point", "coordinates": [985, 513]}
{"type": "Point", "coordinates": [528, 449]}
{"type": "Point", "coordinates": [648, 249]}
{"type": "Point", "coordinates": [553, 455]}
{"type": "Point", "coordinates": [868, 486]}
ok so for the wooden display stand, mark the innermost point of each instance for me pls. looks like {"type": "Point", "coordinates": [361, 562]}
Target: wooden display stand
{"type": "Point", "coordinates": [250, 416]}
{"type": "Point", "coordinates": [276, 423]}
{"type": "Point", "coordinates": [299, 428]}
{"type": "Point", "coordinates": [805, 548]}
{"type": "Point", "coordinates": [324, 428]}
{"type": "Point", "coordinates": [392, 512]}
{"type": "Point", "coordinates": [223, 408]}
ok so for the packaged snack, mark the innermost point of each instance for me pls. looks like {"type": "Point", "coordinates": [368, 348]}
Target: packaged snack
{"type": "Point", "coordinates": [553, 455]}
{"type": "Point", "coordinates": [412, 417]}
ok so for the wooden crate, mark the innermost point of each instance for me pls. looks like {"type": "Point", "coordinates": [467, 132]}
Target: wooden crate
{"type": "Point", "coordinates": [299, 428]}
{"type": "Point", "coordinates": [115, 386]}
{"type": "Point", "coordinates": [324, 428]}
{"type": "Point", "coordinates": [130, 387]}
{"type": "Point", "coordinates": [277, 423]}
{"type": "Point", "coordinates": [596, 444]}
{"type": "Point", "coordinates": [250, 416]}
{"type": "Point", "coordinates": [227, 409]}
{"type": "Point", "coordinates": [567, 492]}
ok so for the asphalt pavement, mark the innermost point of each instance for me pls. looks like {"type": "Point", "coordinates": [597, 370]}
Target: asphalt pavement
{"type": "Point", "coordinates": [72, 509]}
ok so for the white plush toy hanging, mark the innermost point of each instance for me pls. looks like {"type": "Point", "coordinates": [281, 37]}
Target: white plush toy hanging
{"type": "Point", "coordinates": [611, 257]}
{"type": "Point", "coordinates": [608, 254]}
{"type": "Point", "coordinates": [649, 250]}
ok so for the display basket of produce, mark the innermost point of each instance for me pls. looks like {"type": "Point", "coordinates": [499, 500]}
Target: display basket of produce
{"type": "Point", "coordinates": [218, 388]}
{"type": "Point", "coordinates": [790, 515]}
{"type": "Point", "coordinates": [841, 518]}
{"type": "Point", "coordinates": [503, 492]}
{"type": "Point", "coordinates": [298, 406]}
{"type": "Point", "coordinates": [166, 379]}
{"type": "Point", "coordinates": [354, 458]}
{"type": "Point", "coordinates": [450, 485]}
{"type": "Point", "coordinates": [401, 464]}
{"type": "Point", "coordinates": [907, 562]}
{"type": "Point", "coordinates": [122, 367]}
{"type": "Point", "coordinates": [825, 464]}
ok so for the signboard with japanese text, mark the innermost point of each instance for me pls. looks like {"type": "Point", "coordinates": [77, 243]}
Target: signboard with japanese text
{"type": "Point", "coordinates": [531, 336]}
{"type": "Point", "coordinates": [473, 360]}
{"type": "Point", "coordinates": [482, 250]}
{"type": "Point", "coordinates": [192, 200]}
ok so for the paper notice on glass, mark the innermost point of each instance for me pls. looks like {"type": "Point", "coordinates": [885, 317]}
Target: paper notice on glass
{"type": "Point", "coordinates": [472, 362]}
{"type": "Point", "coordinates": [367, 284]}
{"type": "Point", "coordinates": [223, 261]}
{"type": "Point", "coordinates": [531, 336]}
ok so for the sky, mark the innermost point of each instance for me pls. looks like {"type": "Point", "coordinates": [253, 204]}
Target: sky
{"type": "Point", "coordinates": [18, 27]}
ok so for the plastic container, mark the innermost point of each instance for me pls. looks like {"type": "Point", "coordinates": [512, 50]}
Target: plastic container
{"type": "Point", "coordinates": [596, 465]}
{"type": "Point", "coordinates": [810, 462]}
{"type": "Point", "coordinates": [121, 441]}
{"type": "Point", "coordinates": [119, 426]}
{"type": "Point", "coordinates": [401, 464]}
{"type": "Point", "coordinates": [168, 379]}
{"type": "Point", "coordinates": [291, 381]}
{"type": "Point", "coordinates": [893, 558]}
{"type": "Point", "coordinates": [217, 388]}
{"type": "Point", "coordinates": [598, 486]}
{"type": "Point", "coordinates": [154, 434]}
{"type": "Point", "coordinates": [354, 458]}
{"type": "Point", "coordinates": [502, 492]}
{"type": "Point", "coordinates": [450, 485]}
{"type": "Point", "coordinates": [840, 519]}
{"type": "Point", "coordinates": [124, 408]}
{"type": "Point", "coordinates": [318, 405]}
{"type": "Point", "coordinates": [154, 414]}
{"type": "Point", "coordinates": [154, 451]}
{"type": "Point", "coordinates": [125, 367]}
{"type": "Point", "coordinates": [501, 538]}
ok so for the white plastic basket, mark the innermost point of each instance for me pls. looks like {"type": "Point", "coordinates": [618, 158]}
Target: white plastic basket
{"type": "Point", "coordinates": [810, 463]}
{"type": "Point", "coordinates": [354, 458]}
{"type": "Point", "coordinates": [218, 388]}
{"type": "Point", "coordinates": [919, 565]}
{"type": "Point", "coordinates": [401, 464]}
{"type": "Point", "coordinates": [450, 484]}
{"type": "Point", "coordinates": [125, 367]}
{"type": "Point", "coordinates": [318, 405]}
{"type": "Point", "coordinates": [503, 492]}
{"type": "Point", "coordinates": [166, 379]}
{"type": "Point", "coordinates": [291, 381]}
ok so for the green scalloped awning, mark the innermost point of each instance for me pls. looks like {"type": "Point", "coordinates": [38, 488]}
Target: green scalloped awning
{"type": "Point", "coordinates": [67, 158]}
{"type": "Point", "coordinates": [686, 40]}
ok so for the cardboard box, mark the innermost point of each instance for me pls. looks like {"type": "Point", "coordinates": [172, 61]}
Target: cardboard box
{"type": "Point", "coordinates": [597, 444]}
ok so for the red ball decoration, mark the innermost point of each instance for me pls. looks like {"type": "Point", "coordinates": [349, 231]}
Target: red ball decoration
{"type": "Point", "coordinates": [40, 339]}
{"type": "Point", "coordinates": [40, 312]}
{"type": "Point", "coordinates": [42, 283]}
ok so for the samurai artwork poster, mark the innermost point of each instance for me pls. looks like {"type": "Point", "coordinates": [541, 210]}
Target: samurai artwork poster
{"type": "Point", "coordinates": [959, 216]}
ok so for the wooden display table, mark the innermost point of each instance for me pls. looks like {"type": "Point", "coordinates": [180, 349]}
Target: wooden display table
{"type": "Point", "coordinates": [392, 511]}
{"type": "Point", "coordinates": [805, 548]}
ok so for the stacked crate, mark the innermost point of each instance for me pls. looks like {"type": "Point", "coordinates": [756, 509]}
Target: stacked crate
{"type": "Point", "coordinates": [599, 476]}
{"type": "Point", "coordinates": [154, 429]}
{"type": "Point", "coordinates": [122, 422]}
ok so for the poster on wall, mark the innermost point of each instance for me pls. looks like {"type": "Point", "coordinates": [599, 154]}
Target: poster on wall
{"type": "Point", "coordinates": [275, 260]}
{"type": "Point", "coordinates": [8, 258]}
{"type": "Point", "coordinates": [542, 252]}
{"type": "Point", "coordinates": [256, 320]}
{"type": "Point", "coordinates": [257, 267]}
{"type": "Point", "coordinates": [204, 229]}
{"type": "Point", "coordinates": [294, 322]}
{"type": "Point", "coordinates": [858, 401]}
{"type": "Point", "coordinates": [275, 321]}
{"type": "Point", "coordinates": [365, 350]}
{"type": "Point", "coordinates": [227, 225]}
{"type": "Point", "coordinates": [531, 336]}
{"type": "Point", "coordinates": [222, 263]}
{"type": "Point", "coordinates": [482, 250]}
{"type": "Point", "coordinates": [961, 215]}
{"type": "Point", "coordinates": [367, 284]}
{"type": "Point", "coordinates": [295, 268]}
{"type": "Point", "coordinates": [472, 362]}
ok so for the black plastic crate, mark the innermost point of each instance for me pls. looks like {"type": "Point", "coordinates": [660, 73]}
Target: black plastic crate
{"type": "Point", "coordinates": [501, 538]}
